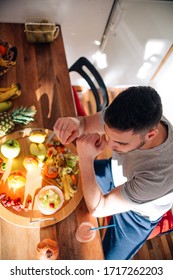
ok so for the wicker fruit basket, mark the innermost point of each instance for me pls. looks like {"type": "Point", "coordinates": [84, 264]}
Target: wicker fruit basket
{"type": "Point", "coordinates": [41, 30]}
{"type": "Point", "coordinates": [8, 55]}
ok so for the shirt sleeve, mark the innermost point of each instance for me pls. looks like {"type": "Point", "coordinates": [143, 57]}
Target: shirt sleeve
{"type": "Point", "coordinates": [142, 190]}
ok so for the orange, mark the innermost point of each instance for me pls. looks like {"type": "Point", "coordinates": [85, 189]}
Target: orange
{"type": "Point", "coordinates": [50, 171]}
{"type": "Point", "coordinates": [16, 180]}
{"type": "Point", "coordinates": [2, 50]}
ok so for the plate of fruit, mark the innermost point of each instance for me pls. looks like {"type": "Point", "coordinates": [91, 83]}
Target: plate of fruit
{"type": "Point", "coordinates": [8, 55]}
{"type": "Point", "coordinates": [39, 181]}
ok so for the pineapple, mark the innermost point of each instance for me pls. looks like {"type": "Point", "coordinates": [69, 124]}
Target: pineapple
{"type": "Point", "coordinates": [22, 115]}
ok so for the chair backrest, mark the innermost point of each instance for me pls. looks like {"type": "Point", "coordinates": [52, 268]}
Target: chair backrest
{"type": "Point", "coordinates": [100, 94]}
{"type": "Point", "coordinates": [79, 107]}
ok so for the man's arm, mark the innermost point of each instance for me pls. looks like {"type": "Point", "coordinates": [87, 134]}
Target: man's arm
{"type": "Point", "coordinates": [99, 205]}
{"type": "Point", "coordinates": [94, 123]}
{"type": "Point", "coordinates": [68, 129]}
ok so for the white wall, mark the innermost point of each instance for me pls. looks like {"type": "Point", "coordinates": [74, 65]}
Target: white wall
{"type": "Point", "coordinates": [163, 83]}
{"type": "Point", "coordinates": [142, 37]}
{"type": "Point", "coordinates": [144, 33]}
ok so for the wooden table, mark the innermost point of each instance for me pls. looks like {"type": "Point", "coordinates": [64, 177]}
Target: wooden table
{"type": "Point", "coordinates": [43, 74]}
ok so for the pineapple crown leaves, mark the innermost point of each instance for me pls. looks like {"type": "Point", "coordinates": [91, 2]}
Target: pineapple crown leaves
{"type": "Point", "coordinates": [23, 115]}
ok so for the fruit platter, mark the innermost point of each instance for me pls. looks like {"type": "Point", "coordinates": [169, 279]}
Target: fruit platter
{"type": "Point", "coordinates": [39, 179]}
{"type": "Point", "coordinates": [8, 55]}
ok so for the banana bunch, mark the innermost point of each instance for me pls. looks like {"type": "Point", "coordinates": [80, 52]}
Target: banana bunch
{"type": "Point", "coordinates": [5, 65]}
{"type": "Point", "coordinates": [68, 187]}
{"type": "Point", "coordinates": [5, 105]}
{"type": "Point", "coordinates": [10, 92]}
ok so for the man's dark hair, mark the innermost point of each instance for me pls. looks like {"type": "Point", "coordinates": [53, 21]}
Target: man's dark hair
{"type": "Point", "coordinates": [137, 108]}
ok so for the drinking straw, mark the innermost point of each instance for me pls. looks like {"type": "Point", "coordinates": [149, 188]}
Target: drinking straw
{"type": "Point", "coordinates": [96, 228]}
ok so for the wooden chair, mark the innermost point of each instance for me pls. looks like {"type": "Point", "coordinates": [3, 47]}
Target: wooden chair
{"type": "Point", "coordinates": [87, 70]}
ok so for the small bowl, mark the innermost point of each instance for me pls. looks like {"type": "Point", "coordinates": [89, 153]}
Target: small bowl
{"type": "Point", "coordinates": [50, 200]}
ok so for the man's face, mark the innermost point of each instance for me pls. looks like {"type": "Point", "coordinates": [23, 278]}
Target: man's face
{"type": "Point", "coordinates": [124, 141]}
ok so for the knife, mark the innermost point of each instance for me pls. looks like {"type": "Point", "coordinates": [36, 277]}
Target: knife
{"type": "Point", "coordinates": [50, 137]}
{"type": "Point", "coordinates": [42, 220]}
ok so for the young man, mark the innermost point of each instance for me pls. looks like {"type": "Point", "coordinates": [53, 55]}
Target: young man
{"type": "Point", "coordinates": [135, 186]}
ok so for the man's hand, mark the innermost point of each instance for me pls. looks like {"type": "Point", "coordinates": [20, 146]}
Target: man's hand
{"type": "Point", "coordinates": [90, 145]}
{"type": "Point", "coordinates": [68, 129]}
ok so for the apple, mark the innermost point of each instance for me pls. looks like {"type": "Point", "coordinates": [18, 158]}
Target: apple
{"type": "Point", "coordinates": [38, 150]}
{"type": "Point", "coordinates": [10, 148]}
{"type": "Point", "coordinates": [37, 137]}
{"type": "Point", "coordinates": [30, 163]}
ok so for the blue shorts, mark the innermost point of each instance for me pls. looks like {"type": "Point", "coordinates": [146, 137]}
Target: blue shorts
{"type": "Point", "coordinates": [131, 230]}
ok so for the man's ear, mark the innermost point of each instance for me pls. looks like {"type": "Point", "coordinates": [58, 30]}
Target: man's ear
{"type": "Point", "coordinates": [152, 133]}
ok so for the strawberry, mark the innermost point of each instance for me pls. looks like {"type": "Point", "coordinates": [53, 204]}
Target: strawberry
{"type": "Point", "coordinates": [4, 202]}
{"type": "Point", "coordinates": [2, 195]}
{"type": "Point", "coordinates": [51, 204]}
{"type": "Point", "coordinates": [2, 50]}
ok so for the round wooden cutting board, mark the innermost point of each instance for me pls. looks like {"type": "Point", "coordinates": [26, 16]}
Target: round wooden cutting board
{"type": "Point", "coordinates": [33, 217]}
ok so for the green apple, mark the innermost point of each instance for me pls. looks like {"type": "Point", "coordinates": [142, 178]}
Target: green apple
{"type": "Point", "coordinates": [10, 148]}
{"type": "Point", "coordinates": [38, 150]}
